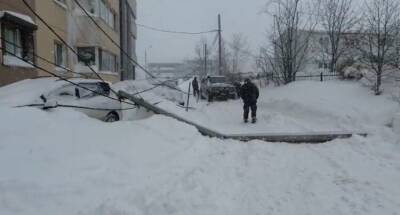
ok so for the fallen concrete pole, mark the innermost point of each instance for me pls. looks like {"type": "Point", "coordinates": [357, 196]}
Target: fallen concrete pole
{"type": "Point", "coordinates": [294, 137]}
{"type": "Point", "coordinates": [268, 137]}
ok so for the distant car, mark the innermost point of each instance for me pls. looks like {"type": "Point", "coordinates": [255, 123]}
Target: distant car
{"type": "Point", "coordinates": [87, 102]}
{"type": "Point", "coordinates": [217, 88]}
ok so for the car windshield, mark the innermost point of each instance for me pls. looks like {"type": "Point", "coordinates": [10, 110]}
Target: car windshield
{"type": "Point", "coordinates": [86, 91]}
{"type": "Point", "coordinates": [217, 80]}
{"type": "Point", "coordinates": [90, 87]}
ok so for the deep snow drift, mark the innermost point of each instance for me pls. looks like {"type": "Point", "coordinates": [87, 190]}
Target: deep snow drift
{"type": "Point", "coordinates": [62, 162]}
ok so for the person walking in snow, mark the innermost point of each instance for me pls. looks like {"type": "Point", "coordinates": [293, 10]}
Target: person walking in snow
{"type": "Point", "coordinates": [249, 93]}
{"type": "Point", "coordinates": [195, 85]}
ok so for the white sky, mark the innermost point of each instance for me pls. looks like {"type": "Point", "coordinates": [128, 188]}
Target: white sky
{"type": "Point", "coordinates": [238, 16]}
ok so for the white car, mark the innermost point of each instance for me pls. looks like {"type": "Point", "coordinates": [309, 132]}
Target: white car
{"type": "Point", "coordinates": [90, 103]}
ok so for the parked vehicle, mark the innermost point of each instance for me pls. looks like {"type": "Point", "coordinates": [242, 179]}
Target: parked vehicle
{"type": "Point", "coordinates": [217, 88]}
{"type": "Point", "coordinates": [85, 101]}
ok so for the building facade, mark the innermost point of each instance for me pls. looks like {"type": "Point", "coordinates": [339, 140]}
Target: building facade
{"type": "Point", "coordinates": [318, 50]}
{"type": "Point", "coordinates": [92, 48]}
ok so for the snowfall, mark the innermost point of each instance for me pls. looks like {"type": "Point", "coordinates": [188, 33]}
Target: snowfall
{"type": "Point", "coordinates": [63, 162]}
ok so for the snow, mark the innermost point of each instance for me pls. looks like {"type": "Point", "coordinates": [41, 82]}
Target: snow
{"type": "Point", "coordinates": [15, 61]}
{"type": "Point", "coordinates": [306, 106]}
{"type": "Point", "coordinates": [19, 15]}
{"type": "Point", "coordinates": [63, 162]}
{"type": "Point", "coordinates": [28, 91]}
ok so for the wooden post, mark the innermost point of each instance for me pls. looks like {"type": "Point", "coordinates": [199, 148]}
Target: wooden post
{"type": "Point", "coordinates": [188, 99]}
{"type": "Point", "coordinates": [322, 77]}
{"type": "Point", "coordinates": [205, 60]}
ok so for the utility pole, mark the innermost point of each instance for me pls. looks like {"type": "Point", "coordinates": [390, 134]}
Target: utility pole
{"type": "Point", "coordinates": [205, 60]}
{"type": "Point", "coordinates": [219, 45]}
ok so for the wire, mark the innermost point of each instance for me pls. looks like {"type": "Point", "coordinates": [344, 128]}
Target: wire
{"type": "Point", "coordinates": [64, 79]}
{"type": "Point", "coordinates": [63, 41]}
{"type": "Point", "coordinates": [44, 59]}
{"type": "Point", "coordinates": [117, 45]}
{"type": "Point", "coordinates": [162, 84]}
{"type": "Point", "coordinates": [75, 106]}
{"type": "Point", "coordinates": [175, 32]}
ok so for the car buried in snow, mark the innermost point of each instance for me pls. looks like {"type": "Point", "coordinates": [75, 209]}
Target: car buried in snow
{"type": "Point", "coordinates": [89, 97]}
{"type": "Point", "coordinates": [217, 88]}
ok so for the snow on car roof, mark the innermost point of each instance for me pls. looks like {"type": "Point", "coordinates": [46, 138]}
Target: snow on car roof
{"type": "Point", "coordinates": [27, 91]}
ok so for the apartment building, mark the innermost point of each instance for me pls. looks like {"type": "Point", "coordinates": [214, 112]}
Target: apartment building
{"type": "Point", "coordinates": [115, 17]}
{"type": "Point", "coordinates": [318, 57]}
{"type": "Point", "coordinates": [353, 47]}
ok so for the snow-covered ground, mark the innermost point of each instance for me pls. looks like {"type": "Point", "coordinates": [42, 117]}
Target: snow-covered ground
{"type": "Point", "coordinates": [62, 162]}
{"type": "Point", "coordinates": [306, 106]}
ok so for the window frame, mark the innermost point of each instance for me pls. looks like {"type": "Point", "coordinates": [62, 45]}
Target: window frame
{"type": "Point", "coordinates": [107, 14]}
{"type": "Point", "coordinates": [92, 61]}
{"type": "Point", "coordinates": [64, 55]}
{"type": "Point", "coordinates": [108, 58]}
{"type": "Point", "coordinates": [25, 46]}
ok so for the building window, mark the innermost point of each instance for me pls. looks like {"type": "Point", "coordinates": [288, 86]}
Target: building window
{"type": "Point", "coordinates": [107, 61]}
{"type": "Point", "coordinates": [17, 43]}
{"type": "Point", "coordinates": [323, 65]}
{"type": "Point", "coordinates": [87, 55]}
{"type": "Point", "coordinates": [106, 14]}
{"type": "Point", "coordinates": [60, 55]}
{"type": "Point", "coordinates": [13, 42]}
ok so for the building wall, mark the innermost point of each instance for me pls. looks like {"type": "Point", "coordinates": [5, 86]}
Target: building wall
{"type": "Point", "coordinates": [128, 38]}
{"type": "Point", "coordinates": [12, 74]}
{"type": "Point", "coordinates": [86, 34]}
{"type": "Point", "coordinates": [317, 59]}
{"type": "Point", "coordinates": [55, 15]}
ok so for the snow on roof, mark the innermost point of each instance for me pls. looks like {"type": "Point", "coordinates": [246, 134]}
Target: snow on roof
{"type": "Point", "coordinates": [19, 15]}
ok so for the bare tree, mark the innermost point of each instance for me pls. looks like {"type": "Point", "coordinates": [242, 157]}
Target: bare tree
{"type": "Point", "coordinates": [382, 28]}
{"type": "Point", "coordinates": [337, 18]}
{"type": "Point", "coordinates": [239, 52]}
{"type": "Point", "coordinates": [291, 34]}
{"type": "Point", "coordinates": [202, 56]}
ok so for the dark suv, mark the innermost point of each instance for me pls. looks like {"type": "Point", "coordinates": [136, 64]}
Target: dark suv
{"type": "Point", "coordinates": [217, 88]}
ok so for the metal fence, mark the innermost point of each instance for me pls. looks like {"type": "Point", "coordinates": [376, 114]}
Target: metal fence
{"type": "Point", "coordinates": [320, 77]}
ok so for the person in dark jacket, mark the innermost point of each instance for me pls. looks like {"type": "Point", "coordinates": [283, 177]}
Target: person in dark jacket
{"type": "Point", "coordinates": [249, 93]}
{"type": "Point", "coordinates": [195, 85]}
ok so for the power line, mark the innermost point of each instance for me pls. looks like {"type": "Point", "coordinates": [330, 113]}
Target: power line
{"type": "Point", "coordinates": [117, 45]}
{"type": "Point", "coordinates": [44, 59]}
{"type": "Point", "coordinates": [63, 41]}
{"type": "Point", "coordinates": [78, 107]}
{"type": "Point", "coordinates": [75, 52]}
{"type": "Point", "coordinates": [175, 32]}
{"type": "Point", "coordinates": [64, 79]}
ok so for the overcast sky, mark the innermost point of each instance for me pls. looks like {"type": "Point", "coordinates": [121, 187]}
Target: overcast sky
{"type": "Point", "coordinates": [238, 16]}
